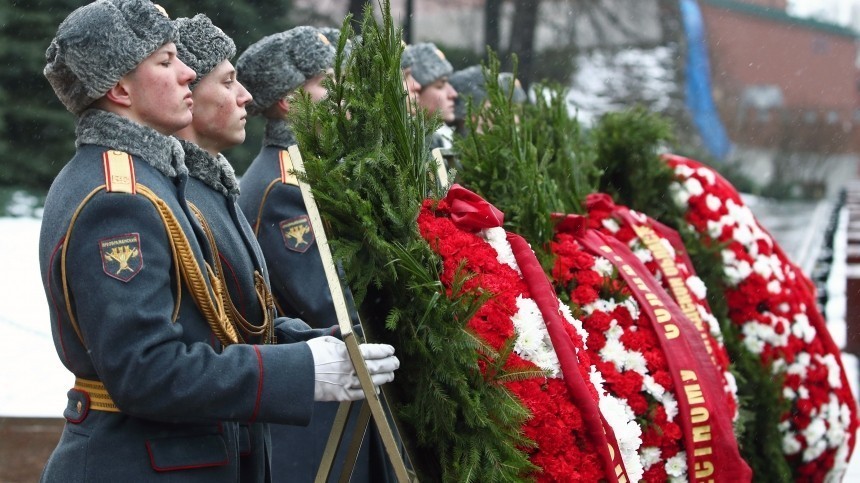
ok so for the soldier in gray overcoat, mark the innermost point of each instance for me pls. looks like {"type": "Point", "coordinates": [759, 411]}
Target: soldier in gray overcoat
{"type": "Point", "coordinates": [164, 379]}
{"type": "Point", "coordinates": [273, 69]}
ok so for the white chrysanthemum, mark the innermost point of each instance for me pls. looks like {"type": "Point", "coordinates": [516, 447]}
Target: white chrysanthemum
{"type": "Point", "coordinates": [644, 255]}
{"type": "Point", "coordinates": [670, 404]}
{"type": "Point", "coordinates": [603, 266]}
{"type": "Point", "coordinates": [684, 171]}
{"type": "Point", "coordinates": [628, 434]}
{"type": "Point", "coordinates": [790, 444]}
{"type": "Point", "coordinates": [788, 393]}
{"type": "Point", "coordinates": [599, 305]}
{"type": "Point", "coordinates": [679, 195]}
{"type": "Point", "coordinates": [707, 174]}
{"type": "Point", "coordinates": [576, 323]}
{"type": "Point", "coordinates": [814, 450]}
{"type": "Point", "coordinates": [615, 331]}
{"type": "Point", "coordinates": [777, 268]}
{"type": "Point", "coordinates": [635, 361]}
{"type": "Point", "coordinates": [743, 235]}
{"type": "Point", "coordinates": [715, 228]}
{"type": "Point", "coordinates": [713, 323]}
{"type": "Point", "coordinates": [613, 351]}
{"type": "Point", "coordinates": [649, 456]}
{"type": "Point", "coordinates": [762, 266]}
{"type": "Point", "coordinates": [611, 225]}
{"type": "Point", "coordinates": [667, 245]}
{"type": "Point", "coordinates": [713, 202]}
{"type": "Point", "coordinates": [802, 329]}
{"type": "Point", "coordinates": [729, 257]}
{"type": "Point", "coordinates": [774, 287]}
{"type": "Point", "coordinates": [652, 387]}
{"type": "Point", "coordinates": [754, 334]}
{"type": "Point", "coordinates": [834, 372]}
{"type": "Point", "coordinates": [697, 287]}
{"type": "Point", "coordinates": [533, 343]}
{"type": "Point", "coordinates": [844, 415]}
{"type": "Point", "coordinates": [676, 466]}
{"type": "Point", "coordinates": [840, 464]}
{"type": "Point", "coordinates": [694, 187]}
{"type": "Point", "coordinates": [737, 273]}
{"type": "Point", "coordinates": [498, 239]}
{"type": "Point", "coordinates": [632, 307]}
{"type": "Point", "coordinates": [815, 431]}
{"type": "Point", "coordinates": [731, 386]}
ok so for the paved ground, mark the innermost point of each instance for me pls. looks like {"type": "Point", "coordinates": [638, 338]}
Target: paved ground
{"type": "Point", "coordinates": [25, 444]}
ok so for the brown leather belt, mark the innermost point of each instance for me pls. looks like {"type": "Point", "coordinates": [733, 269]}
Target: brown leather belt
{"type": "Point", "coordinates": [100, 400]}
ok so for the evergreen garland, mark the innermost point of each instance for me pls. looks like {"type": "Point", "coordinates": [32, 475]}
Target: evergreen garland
{"type": "Point", "coordinates": [369, 167]}
{"type": "Point", "coordinates": [531, 161]}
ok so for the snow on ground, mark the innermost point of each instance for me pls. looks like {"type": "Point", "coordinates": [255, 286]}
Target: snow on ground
{"type": "Point", "coordinates": [614, 82]}
{"type": "Point", "coordinates": [34, 381]}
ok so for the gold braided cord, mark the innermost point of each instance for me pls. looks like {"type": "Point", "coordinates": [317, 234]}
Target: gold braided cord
{"type": "Point", "coordinates": [248, 328]}
{"type": "Point", "coordinates": [100, 400]}
{"type": "Point", "coordinates": [212, 309]}
{"type": "Point", "coordinates": [63, 262]}
{"type": "Point", "coordinates": [267, 305]}
{"type": "Point", "coordinates": [274, 182]}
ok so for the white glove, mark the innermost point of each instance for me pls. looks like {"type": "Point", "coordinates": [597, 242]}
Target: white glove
{"type": "Point", "coordinates": [334, 376]}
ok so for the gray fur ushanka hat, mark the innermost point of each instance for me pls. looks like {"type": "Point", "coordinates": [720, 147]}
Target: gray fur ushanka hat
{"type": "Point", "coordinates": [280, 63]}
{"type": "Point", "coordinates": [99, 43]}
{"type": "Point", "coordinates": [428, 63]}
{"type": "Point", "coordinates": [471, 84]}
{"type": "Point", "coordinates": [202, 45]}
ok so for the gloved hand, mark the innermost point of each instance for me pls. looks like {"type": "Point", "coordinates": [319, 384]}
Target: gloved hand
{"type": "Point", "coordinates": [334, 376]}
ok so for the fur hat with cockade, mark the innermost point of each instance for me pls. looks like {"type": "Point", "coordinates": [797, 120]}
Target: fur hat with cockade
{"type": "Point", "coordinates": [471, 84]}
{"type": "Point", "coordinates": [99, 43]}
{"type": "Point", "coordinates": [278, 64]}
{"type": "Point", "coordinates": [427, 62]}
{"type": "Point", "coordinates": [202, 45]}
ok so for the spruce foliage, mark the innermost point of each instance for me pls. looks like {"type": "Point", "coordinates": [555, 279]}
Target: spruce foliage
{"type": "Point", "coordinates": [627, 145]}
{"type": "Point", "coordinates": [531, 161]}
{"type": "Point", "coordinates": [370, 170]}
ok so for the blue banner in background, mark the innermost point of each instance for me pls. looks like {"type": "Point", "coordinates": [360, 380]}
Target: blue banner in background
{"type": "Point", "coordinates": [700, 102]}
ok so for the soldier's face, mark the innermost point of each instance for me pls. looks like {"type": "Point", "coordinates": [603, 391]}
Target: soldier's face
{"type": "Point", "coordinates": [412, 88]}
{"type": "Point", "coordinates": [158, 92]}
{"type": "Point", "coordinates": [439, 97]}
{"type": "Point", "coordinates": [219, 110]}
{"type": "Point", "coordinates": [314, 86]}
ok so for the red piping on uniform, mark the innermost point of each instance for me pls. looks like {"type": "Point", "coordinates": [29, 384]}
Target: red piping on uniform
{"type": "Point", "coordinates": [185, 467]}
{"type": "Point", "coordinates": [53, 300]}
{"type": "Point", "coordinates": [238, 286]}
{"type": "Point", "coordinates": [259, 386]}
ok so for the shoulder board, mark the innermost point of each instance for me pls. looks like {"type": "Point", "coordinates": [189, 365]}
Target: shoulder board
{"type": "Point", "coordinates": [119, 172]}
{"type": "Point", "coordinates": [286, 162]}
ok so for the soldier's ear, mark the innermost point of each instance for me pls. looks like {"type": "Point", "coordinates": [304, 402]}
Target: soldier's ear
{"type": "Point", "coordinates": [284, 105]}
{"type": "Point", "coordinates": [119, 94]}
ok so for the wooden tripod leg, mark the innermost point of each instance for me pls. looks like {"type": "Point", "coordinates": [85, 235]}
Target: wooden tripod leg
{"type": "Point", "coordinates": [333, 444]}
{"type": "Point", "coordinates": [345, 324]}
{"type": "Point", "coordinates": [355, 443]}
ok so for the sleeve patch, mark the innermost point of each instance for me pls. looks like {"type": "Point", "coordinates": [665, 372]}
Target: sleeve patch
{"type": "Point", "coordinates": [298, 233]}
{"type": "Point", "coordinates": [121, 256]}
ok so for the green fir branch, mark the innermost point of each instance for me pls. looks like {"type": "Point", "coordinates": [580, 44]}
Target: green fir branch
{"type": "Point", "coordinates": [370, 170]}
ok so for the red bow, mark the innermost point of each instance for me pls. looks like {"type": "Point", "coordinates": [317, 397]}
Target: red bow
{"type": "Point", "coordinates": [470, 212]}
